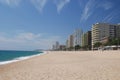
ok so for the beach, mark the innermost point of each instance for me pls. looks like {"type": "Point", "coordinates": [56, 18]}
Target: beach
{"type": "Point", "coordinates": [65, 65]}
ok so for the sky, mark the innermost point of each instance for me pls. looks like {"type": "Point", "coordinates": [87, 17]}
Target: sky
{"type": "Point", "coordinates": [37, 24]}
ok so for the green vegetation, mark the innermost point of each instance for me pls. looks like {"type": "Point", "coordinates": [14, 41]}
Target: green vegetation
{"type": "Point", "coordinates": [98, 44]}
{"type": "Point", "coordinates": [77, 47]}
{"type": "Point", "coordinates": [114, 41]}
{"type": "Point", "coordinates": [86, 47]}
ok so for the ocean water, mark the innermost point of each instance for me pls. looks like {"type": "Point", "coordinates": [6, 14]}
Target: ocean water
{"type": "Point", "coordinates": [13, 56]}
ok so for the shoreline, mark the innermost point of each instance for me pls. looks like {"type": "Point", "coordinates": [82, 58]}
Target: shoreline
{"type": "Point", "coordinates": [65, 65]}
{"type": "Point", "coordinates": [20, 58]}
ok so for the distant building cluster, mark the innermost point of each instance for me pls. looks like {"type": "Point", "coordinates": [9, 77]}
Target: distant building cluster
{"type": "Point", "coordinates": [57, 46]}
{"type": "Point", "coordinates": [101, 35]}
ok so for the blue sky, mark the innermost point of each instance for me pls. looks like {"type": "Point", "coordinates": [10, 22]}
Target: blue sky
{"type": "Point", "coordinates": [36, 24]}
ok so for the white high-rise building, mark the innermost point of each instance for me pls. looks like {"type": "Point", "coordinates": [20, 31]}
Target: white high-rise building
{"type": "Point", "coordinates": [78, 37]}
{"type": "Point", "coordinates": [69, 42]}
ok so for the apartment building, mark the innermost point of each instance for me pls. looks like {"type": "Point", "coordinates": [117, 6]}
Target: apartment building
{"type": "Point", "coordinates": [101, 32]}
{"type": "Point", "coordinates": [69, 42]}
{"type": "Point", "coordinates": [77, 37]}
{"type": "Point", "coordinates": [86, 40]}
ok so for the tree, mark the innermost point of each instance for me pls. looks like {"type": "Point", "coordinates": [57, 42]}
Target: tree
{"type": "Point", "coordinates": [113, 41]}
{"type": "Point", "coordinates": [97, 44]}
{"type": "Point", "coordinates": [77, 47]}
{"type": "Point", "coordinates": [86, 47]}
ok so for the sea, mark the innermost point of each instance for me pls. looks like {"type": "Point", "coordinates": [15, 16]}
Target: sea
{"type": "Point", "coordinates": [9, 56]}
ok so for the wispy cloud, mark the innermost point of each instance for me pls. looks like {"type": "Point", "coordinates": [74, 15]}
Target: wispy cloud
{"type": "Point", "coordinates": [60, 4]}
{"type": "Point", "coordinates": [10, 2]}
{"type": "Point", "coordinates": [113, 15]}
{"type": "Point", "coordinates": [106, 5]}
{"type": "Point", "coordinates": [27, 41]}
{"type": "Point", "coordinates": [108, 17]}
{"type": "Point", "coordinates": [88, 10]}
{"type": "Point", "coordinates": [39, 4]}
{"type": "Point", "coordinates": [91, 6]}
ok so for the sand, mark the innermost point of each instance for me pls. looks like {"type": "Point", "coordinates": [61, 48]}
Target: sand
{"type": "Point", "coordinates": [81, 65]}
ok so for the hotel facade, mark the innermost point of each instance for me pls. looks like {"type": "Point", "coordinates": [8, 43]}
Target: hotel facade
{"type": "Point", "coordinates": [101, 32]}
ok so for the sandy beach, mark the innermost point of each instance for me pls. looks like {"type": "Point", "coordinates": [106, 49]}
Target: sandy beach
{"type": "Point", "coordinates": [65, 65]}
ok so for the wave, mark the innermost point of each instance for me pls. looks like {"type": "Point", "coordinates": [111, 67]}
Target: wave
{"type": "Point", "coordinates": [20, 59]}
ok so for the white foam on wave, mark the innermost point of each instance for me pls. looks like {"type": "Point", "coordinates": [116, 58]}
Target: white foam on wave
{"type": "Point", "coordinates": [20, 59]}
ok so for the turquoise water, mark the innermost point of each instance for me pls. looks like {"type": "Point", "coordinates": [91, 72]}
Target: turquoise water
{"type": "Point", "coordinates": [12, 55]}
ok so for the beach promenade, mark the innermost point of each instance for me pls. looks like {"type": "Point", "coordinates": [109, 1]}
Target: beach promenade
{"type": "Point", "coordinates": [65, 65]}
